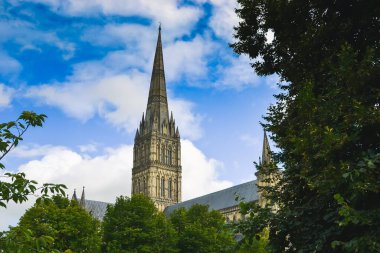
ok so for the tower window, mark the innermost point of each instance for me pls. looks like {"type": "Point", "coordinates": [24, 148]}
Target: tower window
{"type": "Point", "coordinates": [170, 156]}
{"type": "Point", "coordinates": [162, 187]}
{"type": "Point", "coordinates": [166, 155]}
{"type": "Point", "coordinates": [157, 186]}
{"type": "Point", "coordinates": [158, 153]}
{"type": "Point", "coordinates": [170, 188]}
{"type": "Point", "coordinates": [163, 154]}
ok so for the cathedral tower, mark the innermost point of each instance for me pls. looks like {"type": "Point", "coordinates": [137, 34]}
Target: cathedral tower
{"type": "Point", "coordinates": [157, 170]}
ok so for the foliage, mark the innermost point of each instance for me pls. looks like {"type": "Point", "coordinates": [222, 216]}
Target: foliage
{"type": "Point", "coordinates": [201, 231]}
{"type": "Point", "coordinates": [326, 121]}
{"type": "Point", "coordinates": [24, 241]}
{"type": "Point", "coordinates": [257, 244]}
{"type": "Point", "coordinates": [14, 186]}
{"type": "Point", "coordinates": [254, 227]}
{"type": "Point", "coordinates": [63, 224]}
{"type": "Point", "coordinates": [135, 225]}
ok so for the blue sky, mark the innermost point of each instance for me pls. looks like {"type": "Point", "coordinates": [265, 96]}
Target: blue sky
{"type": "Point", "coordinates": [87, 65]}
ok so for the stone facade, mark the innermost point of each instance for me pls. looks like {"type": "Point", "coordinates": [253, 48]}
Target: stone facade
{"type": "Point", "coordinates": [156, 170]}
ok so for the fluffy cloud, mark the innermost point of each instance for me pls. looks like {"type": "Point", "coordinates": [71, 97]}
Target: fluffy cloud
{"type": "Point", "coordinates": [189, 59]}
{"type": "Point", "coordinates": [238, 74]}
{"type": "Point", "coordinates": [199, 173]}
{"type": "Point", "coordinates": [108, 175]}
{"type": "Point", "coordinates": [5, 95]}
{"type": "Point", "coordinates": [224, 18]}
{"type": "Point", "coordinates": [172, 13]}
{"type": "Point", "coordinates": [119, 99]}
{"type": "Point", "coordinates": [29, 37]}
{"type": "Point", "coordinates": [189, 123]}
{"type": "Point", "coordinates": [9, 66]}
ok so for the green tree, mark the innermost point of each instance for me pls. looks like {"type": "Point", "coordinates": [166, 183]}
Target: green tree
{"type": "Point", "coordinates": [253, 228]}
{"type": "Point", "coordinates": [15, 186]}
{"type": "Point", "coordinates": [65, 223]}
{"type": "Point", "coordinates": [201, 231]}
{"type": "Point", "coordinates": [135, 225]}
{"type": "Point", "coordinates": [326, 121]}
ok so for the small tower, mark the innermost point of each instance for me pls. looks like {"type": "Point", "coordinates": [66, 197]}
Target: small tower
{"type": "Point", "coordinates": [74, 197]}
{"type": "Point", "coordinates": [157, 171]}
{"type": "Point", "coordinates": [82, 201]}
{"type": "Point", "coordinates": [264, 178]}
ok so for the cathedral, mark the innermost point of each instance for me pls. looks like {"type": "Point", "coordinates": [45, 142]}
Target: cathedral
{"type": "Point", "coordinates": [157, 171]}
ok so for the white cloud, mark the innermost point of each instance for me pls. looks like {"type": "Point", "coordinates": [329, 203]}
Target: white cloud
{"type": "Point", "coordinates": [88, 148]}
{"type": "Point", "coordinates": [189, 59]}
{"type": "Point", "coordinates": [13, 212]}
{"type": "Point", "coordinates": [29, 37]}
{"type": "Point", "coordinates": [273, 81]}
{"type": "Point", "coordinates": [5, 95]}
{"type": "Point", "coordinates": [188, 122]}
{"type": "Point", "coordinates": [172, 13]}
{"type": "Point", "coordinates": [238, 75]}
{"type": "Point", "coordinates": [199, 173]}
{"type": "Point", "coordinates": [119, 99]}
{"type": "Point", "coordinates": [114, 90]}
{"type": "Point", "coordinates": [224, 18]}
{"type": "Point", "coordinates": [9, 66]}
{"type": "Point", "coordinates": [108, 175]}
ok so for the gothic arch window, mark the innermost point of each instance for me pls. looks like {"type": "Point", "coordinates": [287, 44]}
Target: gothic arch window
{"type": "Point", "coordinates": [157, 186]}
{"type": "Point", "coordinates": [144, 189]}
{"type": "Point", "coordinates": [162, 187]}
{"type": "Point", "coordinates": [175, 188]}
{"type": "Point", "coordinates": [147, 150]}
{"type": "Point", "coordinates": [170, 188]}
{"type": "Point", "coordinates": [158, 153]}
{"type": "Point", "coordinates": [163, 154]}
{"type": "Point", "coordinates": [170, 156]}
{"type": "Point", "coordinates": [166, 155]}
{"type": "Point", "coordinates": [138, 186]}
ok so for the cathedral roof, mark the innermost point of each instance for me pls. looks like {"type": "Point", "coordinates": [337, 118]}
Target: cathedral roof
{"type": "Point", "coordinates": [216, 201]}
{"type": "Point", "coordinates": [96, 208]}
{"type": "Point", "coordinates": [221, 199]}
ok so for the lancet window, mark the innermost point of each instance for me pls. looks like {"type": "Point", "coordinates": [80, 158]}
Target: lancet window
{"type": "Point", "coordinates": [162, 187]}
{"type": "Point", "coordinates": [170, 188]}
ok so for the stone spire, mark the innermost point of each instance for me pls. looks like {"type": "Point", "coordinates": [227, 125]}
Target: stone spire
{"type": "Point", "coordinates": [82, 202]}
{"type": "Point", "coordinates": [266, 156]}
{"type": "Point", "coordinates": [157, 107]}
{"type": "Point", "coordinates": [74, 197]}
{"type": "Point", "coordinates": [157, 171]}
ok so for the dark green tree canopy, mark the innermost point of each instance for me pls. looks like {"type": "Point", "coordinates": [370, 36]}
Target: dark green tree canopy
{"type": "Point", "coordinates": [68, 225]}
{"type": "Point", "coordinates": [326, 121]}
{"type": "Point", "coordinates": [200, 230]}
{"type": "Point", "coordinates": [135, 225]}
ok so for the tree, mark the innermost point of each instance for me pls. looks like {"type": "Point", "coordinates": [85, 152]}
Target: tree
{"type": "Point", "coordinates": [201, 231]}
{"type": "Point", "coordinates": [253, 228]}
{"type": "Point", "coordinates": [15, 186]}
{"type": "Point", "coordinates": [135, 225]}
{"type": "Point", "coordinates": [65, 223]}
{"type": "Point", "coordinates": [326, 121]}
